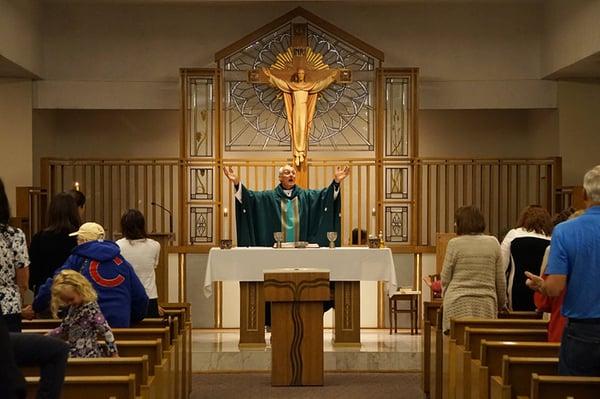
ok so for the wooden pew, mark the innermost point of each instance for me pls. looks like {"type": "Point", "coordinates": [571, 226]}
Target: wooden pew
{"type": "Point", "coordinates": [182, 311]}
{"type": "Point", "coordinates": [515, 377]}
{"type": "Point", "coordinates": [106, 366]}
{"type": "Point", "coordinates": [469, 361]}
{"type": "Point", "coordinates": [430, 309]}
{"type": "Point", "coordinates": [518, 314]}
{"type": "Point", "coordinates": [560, 387]}
{"type": "Point", "coordinates": [492, 354]}
{"type": "Point", "coordinates": [455, 343]}
{"type": "Point", "coordinates": [96, 387]}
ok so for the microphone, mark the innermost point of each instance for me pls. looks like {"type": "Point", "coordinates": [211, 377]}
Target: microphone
{"type": "Point", "coordinates": [168, 211]}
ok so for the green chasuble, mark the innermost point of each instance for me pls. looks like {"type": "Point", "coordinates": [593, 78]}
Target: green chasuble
{"type": "Point", "coordinates": [306, 215]}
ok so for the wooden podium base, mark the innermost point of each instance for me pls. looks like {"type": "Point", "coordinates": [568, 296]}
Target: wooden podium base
{"type": "Point", "coordinates": [297, 343]}
{"type": "Point", "coordinates": [297, 297]}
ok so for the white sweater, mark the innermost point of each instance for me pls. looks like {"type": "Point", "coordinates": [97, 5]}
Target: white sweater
{"type": "Point", "coordinates": [142, 254]}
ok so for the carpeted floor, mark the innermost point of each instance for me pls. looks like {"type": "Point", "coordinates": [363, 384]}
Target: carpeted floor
{"type": "Point", "coordinates": [337, 385]}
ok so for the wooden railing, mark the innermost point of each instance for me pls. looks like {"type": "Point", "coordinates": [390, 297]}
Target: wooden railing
{"type": "Point", "coordinates": [113, 186]}
{"type": "Point", "coordinates": [427, 190]}
{"type": "Point", "coordinates": [500, 188]}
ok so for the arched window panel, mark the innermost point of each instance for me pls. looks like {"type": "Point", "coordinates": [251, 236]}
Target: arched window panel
{"type": "Point", "coordinates": [255, 118]}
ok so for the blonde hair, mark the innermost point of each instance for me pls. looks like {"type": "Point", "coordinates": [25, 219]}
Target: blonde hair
{"type": "Point", "coordinates": [77, 282]}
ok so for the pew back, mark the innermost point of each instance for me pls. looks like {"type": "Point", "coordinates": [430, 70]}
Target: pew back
{"type": "Point", "coordinates": [561, 387]}
{"type": "Point", "coordinates": [97, 387]}
{"type": "Point", "coordinates": [474, 336]}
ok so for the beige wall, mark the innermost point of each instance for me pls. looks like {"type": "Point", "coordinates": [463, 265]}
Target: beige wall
{"type": "Point", "coordinates": [19, 33]}
{"type": "Point", "coordinates": [579, 121]}
{"type": "Point", "coordinates": [15, 136]}
{"type": "Point", "coordinates": [571, 32]}
{"type": "Point", "coordinates": [104, 134]}
{"type": "Point", "coordinates": [488, 133]}
{"type": "Point", "coordinates": [471, 55]}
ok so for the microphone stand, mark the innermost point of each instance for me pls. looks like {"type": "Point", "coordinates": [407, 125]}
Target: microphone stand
{"type": "Point", "coordinates": [170, 215]}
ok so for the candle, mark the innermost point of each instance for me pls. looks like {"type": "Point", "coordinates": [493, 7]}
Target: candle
{"type": "Point", "coordinates": [76, 186]}
{"type": "Point", "coordinates": [225, 212]}
{"type": "Point", "coordinates": [373, 220]}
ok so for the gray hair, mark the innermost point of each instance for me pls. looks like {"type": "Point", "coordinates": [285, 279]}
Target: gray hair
{"type": "Point", "coordinates": [591, 183]}
{"type": "Point", "coordinates": [283, 167]}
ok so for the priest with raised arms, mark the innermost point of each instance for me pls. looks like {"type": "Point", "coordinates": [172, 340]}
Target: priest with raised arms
{"type": "Point", "coordinates": [300, 214]}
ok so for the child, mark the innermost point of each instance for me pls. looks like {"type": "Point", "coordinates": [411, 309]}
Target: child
{"type": "Point", "coordinates": [84, 320]}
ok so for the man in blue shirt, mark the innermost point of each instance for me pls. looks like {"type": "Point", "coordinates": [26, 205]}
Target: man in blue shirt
{"type": "Point", "coordinates": [575, 264]}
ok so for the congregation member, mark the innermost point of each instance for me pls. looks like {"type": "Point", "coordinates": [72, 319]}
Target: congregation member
{"type": "Point", "coordinates": [142, 253]}
{"type": "Point", "coordinates": [14, 266]}
{"type": "Point", "coordinates": [31, 350]}
{"type": "Point", "coordinates": [121, 295]}
{"type": "Point", "coordinates": [472, 275]}
{"type": "Point", "coordinates": [553, 305]}
{"type": "Point", "coordinates": [79, 198]}
{"type": "Point", "coordinates": [523, 249]}
{"type": "Point", "coordinates": [50, 248]}
{"type": "Point", "coordinates": [574, 265]}
{"type": "Point", "coordinates": [84, 322]}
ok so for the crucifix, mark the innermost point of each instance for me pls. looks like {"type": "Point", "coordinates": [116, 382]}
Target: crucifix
{"type": "Point", "coordinates": [300, 74]}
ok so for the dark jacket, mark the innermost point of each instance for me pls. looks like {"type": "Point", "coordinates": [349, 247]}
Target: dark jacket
{"type": "Point", "coordinates": [121, 295]}
{"type": "Point", "coordinates": [47, 252]}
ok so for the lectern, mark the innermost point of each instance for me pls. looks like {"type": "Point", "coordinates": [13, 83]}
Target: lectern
{"type": "Point", "coordinates": [297, 297]}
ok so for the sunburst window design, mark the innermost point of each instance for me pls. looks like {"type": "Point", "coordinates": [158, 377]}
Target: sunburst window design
{"type": "Point", "coordinates": [255, 116]}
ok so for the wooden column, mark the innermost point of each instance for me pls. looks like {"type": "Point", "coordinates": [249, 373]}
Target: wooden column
{"type": "Point", "coordinates": [297, 297]}
{"type": "Point", "coordinates": [162, 269]}
{"type": "Point", "coordinates": [252, 314]}
{"type": "Point", "coordinates": [346, 319]}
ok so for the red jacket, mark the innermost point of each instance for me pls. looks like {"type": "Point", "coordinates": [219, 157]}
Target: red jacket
{"type": "Point", "coordinates": [553, 306]}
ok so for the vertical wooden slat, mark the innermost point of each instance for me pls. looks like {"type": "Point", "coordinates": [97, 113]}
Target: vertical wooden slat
{"type": "Point", "coordinates": [481, 187]}
{"type": "Point", "coordinates": [136, 187]}
{"type": "Point", "coordinates": [110, 200]}
{"type": "Point", "coordinates": [153, 194]}
{"type": "Point", "coordinates": [509, 194]}
{"type": "Point", "coordinates": [528, 184]}
{"type": "Point", "coordinates": [446, 197]}
{"type": "Point", "coordinates": [145, 190]}
{"type": "Point", "coordinates": [455, 173]}
{"type": "Point", "coordinates": [490, 199]}
{"type": "Point", "coordinates": [360, 208]}
{"type": "Point", "coordinates": [538, 183]}
{"type": "Point", "coordinates": [437, 198]}
{"type": "Point", "coordinates": [162, 197]}
{"type": "Point", "coordinates": [473, 184]}
{"type": "Point", "coordinates": [368, 203]}
{"type": "Point", "coordinates": [127, 186]}
{"type": "Point", "coordinates": [499, 209]}
{"type": "Point", "coordinates": [518, 189]}
{"type": "Point", "coordinates": [172, 192]}
{"type": "Point", "coordinates": [465, 179]}
{"type": "Point", "coordinates": [93, 191]}
{"type": "Point", "coordinates": [428, 205]}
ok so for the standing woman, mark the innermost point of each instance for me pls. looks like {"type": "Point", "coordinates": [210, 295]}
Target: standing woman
{"type": "Point", "coordinates": [523, 250]}
{"type": "Point", "coordinates": [51, 247]}
{"type": "Point", "coordinates": [14, 270]}
{"type": "Point", "coordinates": [142, 253]}
{"type": "Point", "coordinates": [472, 275]}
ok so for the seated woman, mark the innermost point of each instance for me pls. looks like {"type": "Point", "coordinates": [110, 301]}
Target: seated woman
{"type": "Point", "coordinates": [472, 276]}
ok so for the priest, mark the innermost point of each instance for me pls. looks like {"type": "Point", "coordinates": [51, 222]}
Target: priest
{"type": "Point", "coordinates": [300, 214]}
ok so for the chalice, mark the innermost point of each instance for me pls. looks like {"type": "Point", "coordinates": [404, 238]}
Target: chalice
{"type": "Point", "coordinates": [332, 236]}
{"type": "Point", "coordinates": [278, 236]}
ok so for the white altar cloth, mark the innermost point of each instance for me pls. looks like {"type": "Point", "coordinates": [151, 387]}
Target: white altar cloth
{"type": "Point", "coordinates": [344, 264]}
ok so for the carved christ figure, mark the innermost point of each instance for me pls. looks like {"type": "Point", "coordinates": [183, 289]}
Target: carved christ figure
{"type": "Point", "coordinates": [300, 99]}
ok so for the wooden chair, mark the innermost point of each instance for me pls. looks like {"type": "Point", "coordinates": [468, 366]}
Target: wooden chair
{"type": "Point", "coordinates": [413, 297]}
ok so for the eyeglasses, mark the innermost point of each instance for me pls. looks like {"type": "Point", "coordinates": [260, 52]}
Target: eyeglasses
{"type": "Point", "coordinates": [287, 172]}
